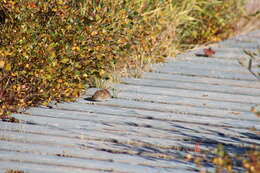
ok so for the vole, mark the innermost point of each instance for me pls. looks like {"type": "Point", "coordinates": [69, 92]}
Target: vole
{"type": "Point", "coordinates": [101, 95]}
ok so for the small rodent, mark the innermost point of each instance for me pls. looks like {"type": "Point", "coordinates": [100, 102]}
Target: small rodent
{"type": "Point", "coordinates": [101, 95]}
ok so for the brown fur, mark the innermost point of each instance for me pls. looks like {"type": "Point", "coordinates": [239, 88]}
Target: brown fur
{"type": "Point", "coordinates": [101, 95]}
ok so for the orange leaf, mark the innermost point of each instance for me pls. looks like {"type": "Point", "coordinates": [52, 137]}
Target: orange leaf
{"type": "Point", "coordinates": [32, 5]}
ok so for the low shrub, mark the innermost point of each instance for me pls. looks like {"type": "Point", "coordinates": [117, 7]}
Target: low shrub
{"type": "Point", "coordinates": [212, 22]}
{"type": "Point", "coordinates": [51, 49]}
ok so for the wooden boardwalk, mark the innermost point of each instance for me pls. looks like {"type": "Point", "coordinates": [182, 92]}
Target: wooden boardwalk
{"type": "Point", "coordinates": [152, 124]}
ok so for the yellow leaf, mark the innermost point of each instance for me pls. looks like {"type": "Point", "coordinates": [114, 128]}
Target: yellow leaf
{"type": "Point", "coordinates": [102, 72]}
{"type": "Point", "coordinates": [76, 48]}
{"type": "Point", "coordinates": [69, 27]}
{"type": "Point", "coordinates": [65, 60]}
{"type": "Point", "coordinates": [52, 54]}
{"type": "Point", "coordinates": [8, 67]}
{"type": "Point", "coordinates": [2, 63]}
{"type": "Point", "coordinates": [60, 2]}
{"type": "Point", "coordinates": [94, 33]}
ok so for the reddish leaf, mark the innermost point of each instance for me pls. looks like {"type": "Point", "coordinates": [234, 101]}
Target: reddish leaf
{"type": "Point", "coordinates": [208, 52]}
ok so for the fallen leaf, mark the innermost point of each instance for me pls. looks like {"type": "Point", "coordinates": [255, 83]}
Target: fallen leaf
{"type": "Point", "coordinates": [208, 52]}
{"type": "Point", "coordinates": [2, 64]}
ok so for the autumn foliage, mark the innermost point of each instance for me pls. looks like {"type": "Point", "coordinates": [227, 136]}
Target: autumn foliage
{"type": "Point", "coordinates": [50, 49]}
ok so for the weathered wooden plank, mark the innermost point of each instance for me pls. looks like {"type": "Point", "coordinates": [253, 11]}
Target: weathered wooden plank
{"type": "Point", "coordinates": [207, 66]}
{"type": "Point", "coordinates": [73, 162]}
{"type": "Point", "coordinates": [28, 139]}
{"type": "Point", "coordinates": [158, 107]}
{"type": "Point", "coordinates": [103, 109]}
{"type": "Point", "coordinates": [132, 128]}
{"type": "Point", "coordinates": [177, 100]}
{"type": "Point", "coordinates": [92, 154]}
{"type": "Point", "coordinates": [99, 138]}
{"type": "Point", "coordinates": [127, 150]}
{"type": "Point", "coordinates": [206, 73]}
{"type": "Point", "coordinates": [222, 55]}
{"type": "Point", "coordinates": [231, 62]}
{"type": "Point", "coordinates": [202, 80]}
{"type": "Point", "coordinates": [238, 44]}
{"type": "Point", "coordinates": [187, 93]}
{"type": "Point", "coordinates": [143, 155]}
{"type": "Point", "coordinates": [241, 67]}
{"type": "Point", "coordinates": [252, 92]}
{"type": "Point", "coordinates": [122, 129]}
{"type": "Point", "coordinates": [204, 136]}
{"type": "Point", "coordinates": [197, 137]}
{"type": "Point", "coordinates": [150, 119]}
{"type": "Point", "coordinates": [34, 167]}
{"type": "Point", "coordinates": [247, 140]}
{"type": "Point", "coordinates": [231, 59]}
{"type": "Point", "coordinates": [113, 125]}
{"type": "Point", "coordinates": [244, 39]}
